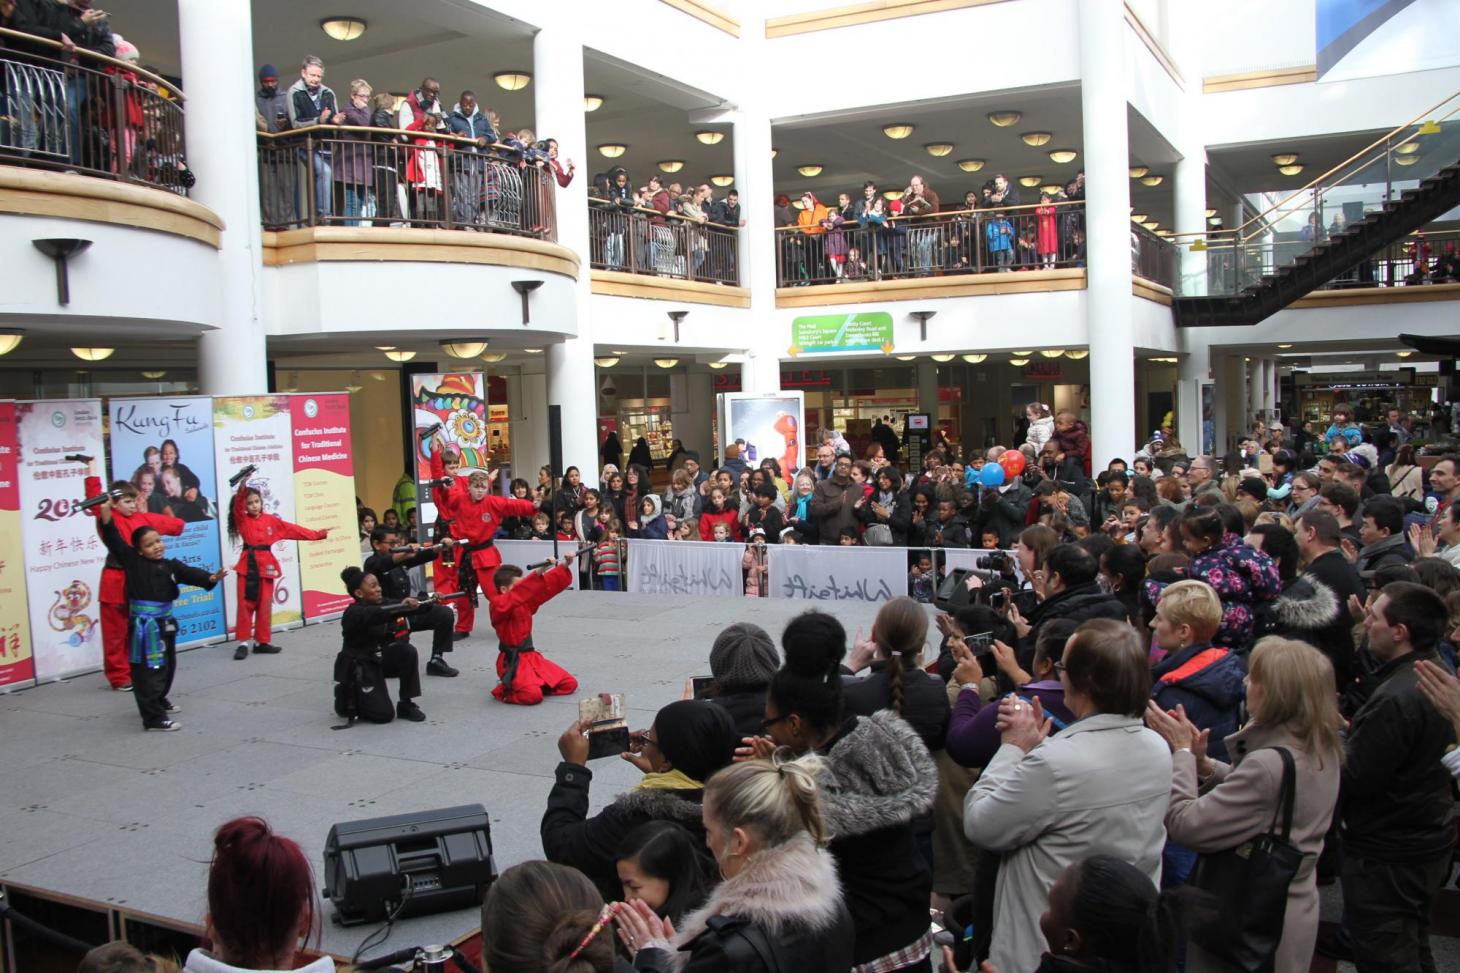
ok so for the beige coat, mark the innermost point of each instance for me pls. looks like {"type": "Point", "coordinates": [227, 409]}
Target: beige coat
{"type": "Point", "coordinates": [1238, 803]}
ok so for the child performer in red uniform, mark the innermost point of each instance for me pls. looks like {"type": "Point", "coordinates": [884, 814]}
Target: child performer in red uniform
{"type": "Point", "coordinates": [127, 519]}
{"type": "Point", "coordinates": [526, 676]}
{"type": "Point", "coordinates": [257, 568]}
{"type": "Point", "coordinates": [445, 572]}
{"type": "Point", "coordinates": [475, 516]}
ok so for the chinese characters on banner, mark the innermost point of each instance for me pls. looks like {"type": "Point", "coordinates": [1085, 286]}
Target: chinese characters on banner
{"type": "Point", "coordinates": [324, 497]}
{"type": "Point", "coordinates": [257, 430]}
{"type": "Point", "coordinates": [17, 669]}
{"type": "Point", "coordinates": [164, 446]}
{"type": "Point", "coordinates": [63, 555]}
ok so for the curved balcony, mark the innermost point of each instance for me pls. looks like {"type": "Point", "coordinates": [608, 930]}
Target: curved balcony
{"type": "Point", "coordinates": [639, 252]}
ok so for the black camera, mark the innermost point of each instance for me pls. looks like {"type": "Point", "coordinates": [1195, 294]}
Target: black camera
{"type": "Point", "coordinates": [995, 561]}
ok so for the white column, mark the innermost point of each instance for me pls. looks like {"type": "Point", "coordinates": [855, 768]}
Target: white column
{"type": "Point", "coordinates": [928, 387]}
{"type": "Point", "coordinates": [557, 78]}
{"type": "Point", "coordinates": [527, 423]}
{"type": "Point", "coordinates": [1254, 394]}
{"type": "Point", "coordinates": [1190, 180]}
{"type": "Point", "coordinates": [1269, 388]}
{"type": "Point", "coordinates": [217, 61]}
{"type": "Point", "coordinates": [691, 402]}
{"type": "Point", "coordinates": [1107, 231]}
{"type": "Point", "coordinates": [1193, 373]}
{"type": "Point", "coordinates": [755, 182]}
{"type": "Point", "coordinates": [1231, 402]}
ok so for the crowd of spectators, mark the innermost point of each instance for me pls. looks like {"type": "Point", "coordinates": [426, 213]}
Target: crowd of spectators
{"type": "Point", "coordinates": [664, 228]}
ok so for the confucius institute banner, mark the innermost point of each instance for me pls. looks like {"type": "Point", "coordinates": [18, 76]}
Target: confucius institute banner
{"type": "Point", "coordinates": [258, 430]}
{"type": "Point", "coordinates": [17, 668]}
{"type": "Point", "coordinates": [324, 498]}
{"type": "Point", "coordinates": [63, 555]}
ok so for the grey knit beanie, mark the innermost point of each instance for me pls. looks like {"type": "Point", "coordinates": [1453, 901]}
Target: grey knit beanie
{"type": "Point", "coordinates": [743, 658]}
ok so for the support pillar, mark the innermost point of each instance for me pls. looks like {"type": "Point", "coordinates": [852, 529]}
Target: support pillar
{"type": "Point", "coordinates": [761, 372]}
{"type": "Point", "coordinates": [1192, 375]}
{"type": "Point", "coordinates": [1107, 234]}
{"type": "Point", "coordinates": [217, 60]}
{"type": "Point", "coordinates": [1269, 389]}
{"type": "Point", "coordinates": [692, 404]}
{"type": "Point", "coordinates": [557, 54]}
{"type": "Point", "coordinates": [928, 387]}
{"type": "Point", "coordinates": [527, 424]}
{"type": "Point", "coordinates": [1231, 401]}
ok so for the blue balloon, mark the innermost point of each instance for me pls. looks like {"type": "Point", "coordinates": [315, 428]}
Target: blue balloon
{"type": "Point", "coordinates": [992, 475]}
{"type": "Point", "coordinates": [970, 477]}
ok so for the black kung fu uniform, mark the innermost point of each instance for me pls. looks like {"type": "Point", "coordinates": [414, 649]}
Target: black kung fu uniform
{"type": "Point", "coordinates": [374, 632]}
{"type": "Point", "coordinates": [395, 584]}
{"type": "Point", "coordinates": [152, 587]}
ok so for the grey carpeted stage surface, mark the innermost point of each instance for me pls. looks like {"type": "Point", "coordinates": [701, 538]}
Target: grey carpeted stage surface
{"type": "Point", "coordinates": [92, 806]}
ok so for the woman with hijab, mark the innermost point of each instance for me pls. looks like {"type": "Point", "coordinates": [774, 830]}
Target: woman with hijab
{"type": "Point", "coordinates": [640, 455]}
{"type": "Point", "coordinates": [612, 451]}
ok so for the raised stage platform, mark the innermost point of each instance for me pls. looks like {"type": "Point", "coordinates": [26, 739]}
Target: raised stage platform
{"type": "Point", "coordinates": [93, 808]}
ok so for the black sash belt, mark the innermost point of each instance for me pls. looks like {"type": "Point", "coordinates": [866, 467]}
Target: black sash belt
{"type": "Point", "coordinates": [251, 578]}
{"type": "Point", "coordinates": [513, 652]}
{"type": "Point", "coordinates": [466, 571]}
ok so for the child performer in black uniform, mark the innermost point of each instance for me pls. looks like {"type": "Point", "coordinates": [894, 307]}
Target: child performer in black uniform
{"type": "Point", "coordinates": [391, 570]}
{"type": "Point", "coordinates": [375, 632]}
{"type": "Point", "coordinates": [152, 587]}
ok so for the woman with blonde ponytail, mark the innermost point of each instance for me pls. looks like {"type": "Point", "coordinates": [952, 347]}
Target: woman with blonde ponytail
{"type": "Point", "coordinates": [779, 908]}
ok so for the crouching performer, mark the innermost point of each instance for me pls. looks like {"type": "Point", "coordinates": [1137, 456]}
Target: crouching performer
{"type": "Point", "coordinates": [375, 645]}
{"type": "Point", "coordinates": [526, 676]}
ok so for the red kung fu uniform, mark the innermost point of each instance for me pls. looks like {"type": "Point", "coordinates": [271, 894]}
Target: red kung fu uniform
{"type": "Point", "coordinates": [474, 524]}
{"type": "Point", "coordinates": [257, 568]}
{"type": "Point", "coordinates": [115, 659]}
{"type": "Point", "coordinates": [526, 676]}
{"type": "Point", "coordinates": [445, 572]}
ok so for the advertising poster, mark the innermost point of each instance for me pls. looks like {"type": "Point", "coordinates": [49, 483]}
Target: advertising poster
{"type": "Point", "coordinates": [258, 430]}
{"type": "Point", "coordinates": [458, 401]}
{"type": "Point", "coordinates": [62, 554]}
{"type": "Point", "coordinates": [17, 669]}
{"type": "Point", "coordinates": [164, 446]}
{"type": "Point", "coordinates": [771, 426]}
{"type": "Point", "coordinates": [324, 498]}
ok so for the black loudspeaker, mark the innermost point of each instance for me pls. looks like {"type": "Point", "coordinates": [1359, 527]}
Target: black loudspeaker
{"type": "Point", "coordinates": [953, 593]}
{"type": "Point", "coordinates": [419, 863]}
{"type": "Point", "coordinates": [555, 439]}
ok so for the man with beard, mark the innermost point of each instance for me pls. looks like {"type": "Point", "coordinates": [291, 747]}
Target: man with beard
{"type": "Point", "coordinates": [833, 505]}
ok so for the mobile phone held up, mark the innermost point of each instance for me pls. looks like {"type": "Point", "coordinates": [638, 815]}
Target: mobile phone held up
{"type": "Point", "coordinates": [980, 643]}
{"type": "Point", "coordinates": [608, 733]}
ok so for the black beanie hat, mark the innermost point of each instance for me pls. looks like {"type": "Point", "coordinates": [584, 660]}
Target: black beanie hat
{"type": "Point", "coordinates": [743, 658]}
{"type": "Point", "coordinates": [268, 71]}
{"type": "Point", "coordinates": [696, 736]}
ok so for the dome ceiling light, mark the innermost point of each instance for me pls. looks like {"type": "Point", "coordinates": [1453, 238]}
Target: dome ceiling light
{"type": "Point", "coordinates": [666, 362]}
{"type": "Point", "coordinates": [671, 165]}
{"type": "Point", "coordinates": [1152, 180]}
{"type": "Point", "coordinates": [1051, 189]}
{"type": "Point", "coordinates": [708, 137]}
{"type": "Point", "coordinates": [343, 28]}
{"type": "Point", "coordinates": [607, 362]}
{"type": "Point", "coordinates": [1406, 160]}
{"type": "Point", "coordinates": [938, 149]}
{"type": "Point", "coordinates": [722, 180]}
{"type": "Point", "coordinates": [1003, 119]}
{"type": "Point", "coordinates": [1210, 213]}
{"type": "Point", "coordinates": [400, 356]}
{"type": "Point", "coordinates": [1291, 170]}
{"type": "Point", "coordinates": [512, 80]}
{"type": "Point", "coordinates": [494, 357]}
{"type": "Point", "coordinates": [1285, 158]}
{"type": "Point", "coordinates": [811, 170]}
{"type": "Point", "coordinates": [975, 358]}
{"type": "Point", "coordinates": [463, 349]}
{"type": "Point", "coordinates": [592, 102]}
{"type": "Point", "coordinates": [93, 354]}
{"type": "Point", "coordinates": [941, 358]}
{"type": "Point", "coordinates": [1030, 181]}
{"type": "Point", "coordinates": [1018, 362]}
{"type": "Point", "coordinates": [1052, 352]}
{"type": "Point", "coordinates": [1137, 172]}
{"type": "Point", "coordinates": [1036, 139]}
{"type": "Point", "coordinates": [9, 341]}
{"type": "Point", "coordinates": [1077, 355]}
{"type": "Point", "coordinates": [892, 195]}
{"type": "Point", "coordinates": [898, 130]}
{"type": "Point", "coordinates": [612, 150]}
{"type": "Point", "coordinates": [1408, 148]}
{"type": "Point", "coordinates": [971, 165]}
{"type": "Point", "coordinates": [1061, 156]}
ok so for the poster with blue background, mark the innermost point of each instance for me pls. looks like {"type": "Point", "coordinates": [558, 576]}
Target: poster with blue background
{"type": "Point", "coordinates": [164, 447]}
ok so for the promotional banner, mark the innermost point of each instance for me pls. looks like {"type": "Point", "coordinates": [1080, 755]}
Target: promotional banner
{"type": "Point", "coordinates": [685, 568]}
{"type": "Point", "coordinates": [63, 555]}
{"type": "Point", "coordinates": [458, 401]}
{"type": "Point", "coordinates": [770, 425]}
{"type": "Point", "coordinates": [17, 668]}
{"type": "Point", "coordinates": [523, 553]}
{"type": "Point", "coordinates": [826, 573]}
{"type": "Point", "coordinates": [164, 446]}
{"type": "Point", "coordinates": [324, 498]}
{"type": "Point", "coordinates": [258, 430]}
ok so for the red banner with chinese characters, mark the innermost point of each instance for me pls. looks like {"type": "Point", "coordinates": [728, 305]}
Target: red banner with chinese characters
{"type": "Point", "coordinates": [17, 668]}
{"type": "Point", "coordinates": [324, 497]}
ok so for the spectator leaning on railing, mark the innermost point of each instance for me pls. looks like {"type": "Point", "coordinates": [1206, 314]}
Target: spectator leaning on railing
{"type": "Point", "coordinates": [312, 103]}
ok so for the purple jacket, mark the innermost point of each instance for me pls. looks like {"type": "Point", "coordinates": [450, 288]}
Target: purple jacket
{"type": "Point", "coordinates": [973, 737]}
{"type": "Point", "coordinates": [1242, 577]}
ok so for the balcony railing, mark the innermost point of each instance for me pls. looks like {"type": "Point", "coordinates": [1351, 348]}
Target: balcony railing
{"type": "Point", "coordinates": [339, 175]}
{"type": "Point", "coordinates": [89, 113]}
{"type": "Point", "coordinates": [645, 241]}
{"type": "Point", "coordinates": [1012, 238]}
{"type": "Point", "coordinates": [1152, 257]}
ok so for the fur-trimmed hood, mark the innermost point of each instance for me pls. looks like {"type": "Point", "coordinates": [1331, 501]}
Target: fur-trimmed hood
{"type": "Point", "coordinates": [790, 886]}
{"type": "Point", "coordinates": [1307, 605]}
{"type": "Point", "coordinates": [678, 805]}
{"type": "Point", "coordinates": [877, 775]}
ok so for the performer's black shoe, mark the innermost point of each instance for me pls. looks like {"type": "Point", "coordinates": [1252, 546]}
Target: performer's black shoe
{"type": "Point", "coordinates": [168, 706]}
{"type": "Point", "coordinates": [241, 652]}
{"type": "Point", "coordinates": [267, 648]}
{"type": "Point", "coordinates": [124, 688]}
{"type": "Point", "coordinates": [408, 710]}
{"type": "Point", "coordinates": [459, 636]}
{"type": "Point", "coordinates": [439, 667]}
{"type": "Point", "coordinates": [166, 726]}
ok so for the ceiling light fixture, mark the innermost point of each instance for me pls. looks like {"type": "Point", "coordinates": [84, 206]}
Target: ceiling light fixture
{"type": "Point", "coordinates": [666, 362]}
{"type": "Point", "coordinates": [938, 149]}
{"type": "Point", "coordinates": [1405, 160]}
{"type": "Point", "coordinates": [385, 347]}
{"type": "Point", "coordinates": [93, 354]}
{"type": "Point", "coordinates": [1215, 222]}
{"type": "Point", "coordinates": [612, 150]}
{"type": "Point", "coordinates": [1166, 360]}
{"type": "Point", "coordinates": [671, 165]}
{"type": "Point", "coordinates": [1291, 170]}
{"type": "Point", "coordinates": [533, 351]}
{"type": "Point", "coordinates": [154, 376]}
{"type": "Point", "coordinates": [592, 102]}
{"type": "Point", "coordinates": [892, 195]}
{"type": "Point", "coordinates": [1286, 345]}
{"type": "Point", "coordinates": [9, 341]}
{"type": "Point", "coordinates": [1285, 158]}
{"type": "Point", "coordinates": [906, 357]}
{"type": "Point", "coordinates": [941, 358]}
{"type": "Point", "coordinates": [400, 356]}
{"type": "Point", "coordinates": [1036, 139]}
{"type": "Point", "coordinates": [463, 349]}
{"type": "Point", "coordinates": [1021, 354]}
{"type": "Point", "coordinates": [898, 130]}
{"type": "Point", "coordinates": [774, 151]}
{"type": "Point", "coordinates": [512, 80]}
{"type": "Point", "coordinates": [607, 362]}
{"type": "Point", "coordinates": [1051, 189]}
{"type": "Point", "coordinates": [1137, 172]}
{"type": "Point", "coordinates": [494, 357]}
{"type": "Point", "coordinates": [722, 181]}
{"type": "Point", "coordinates": [975, 358]}
{"type": "Point", "coordinates": [1003, 119]}
{"type": "Point", "coordinates": [1404, 354]}
{"type": "Point", "coordinates": [1018, 362]}
{"type": "Point", "coordinates": [1164, 233]}
{"type": "Point", "coordinates": [1150, 224]}
{"type": "Point", "coordinates": [1138, 217]}
{"type": "Point", "coordinates": [1408, 148]}
{"type": "Point", "coordinates": [1211, 213]}
{"type": "Point", "coordinates": [971, 165]}
{"type": "Point", "coordinates": [1052, 352]}
{"type": "Point", "coordinates": [1152, 180]}
{"type": "Point", "coordinates": [708, 137]}
{"type": "Point", "coordinates": [1061, 156]}
{"type": "Point", "coordinates": [1030, 181]}
{"type": "Point", "coordinates": [811, 170]}
{"type": "Point", "coordinates": [343, 28]}
{"type": "Point", "coordinates": [1078, 355]}
{"type": "Point", "coordinates": [717, 365]}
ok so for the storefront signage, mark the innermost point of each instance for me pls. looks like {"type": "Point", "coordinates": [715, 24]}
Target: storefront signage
{"type": "Point", "coordinates": [1357, 380]}
{"type": "Point", "coordinates": [1044, 371]}
{"type": "Point", "coordinates": [818, 333]}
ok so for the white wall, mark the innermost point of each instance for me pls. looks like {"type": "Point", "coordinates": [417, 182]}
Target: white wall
{"type": "Point", "coordinates": [640, 323]}
{"type": "Point", "coordinates": [1379, 323]}
{"type": "Point", "coordinates": [1251, 35]}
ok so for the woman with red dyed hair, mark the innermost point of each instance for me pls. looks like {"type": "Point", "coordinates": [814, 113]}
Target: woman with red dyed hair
{"type": "Point", "coordinates": [261, 903]}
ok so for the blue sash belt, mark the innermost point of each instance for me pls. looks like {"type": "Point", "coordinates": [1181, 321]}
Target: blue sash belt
{"type": "Point", "coordinates": [147, 643]}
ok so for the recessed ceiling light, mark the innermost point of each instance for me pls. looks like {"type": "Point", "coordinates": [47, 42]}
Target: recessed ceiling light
{"type": "Point", "coordinates": [1077, 355]}
{"type": "Point", "coordinates": [708, 137]}
{"type": "Point", "coordinates": [592, 102]}
{"type": "Point", "coordinates": [1030, 181]}
{"type": "Point", "coordinates": [1137, 172]}
{"type": "Point", "coordinates": [941, 358]}
{"type": "Point", "coordinates": [722, 181]}
{"type": "Point", "coordinates": [1285, 158]}
{"type": "Point", "coordinates": [1406, 160]}
{"type": "Point", "coordinates": [512, 80]}
{"type": "Point", "coordinates": [938, 149]}
{"type": "Point", "coordinates": [906, 357]}
{"type": "Point", "coordinates": [463, 349]}
{"type": "Point", "coordinates": [1018, 362]}
{"type": "Point", "coordinates": [666, 362]}
{"type": "Point", "coordinates": [1003, 119]}
{"type": "Point", "coordinates": [612, 150]}
{"type": "Point", "coordinates": [608, 362]}
{"type": "Point", "coordinates": [810, 170]}
{"type": "Point", "coordinates": [1036, 139]}
{"type": "Point", "coordinates": [493, 357]}
{"type": "Point", "coordinates": [1060, 156]}
{"type": "Point", "coordinates": [671, 165]}
{"type": "Point", "coordinates": [1408, 148]}
{"type": "Point", "coordinates": [1051, 352]}
{"type": "Point", "coordinates": [93, 354]}
{"type": "Point", "coordinates": [400, 356]}
{"type": "Point", "coordinates": [1152, 180]}
{"type": "Point", "coordinates": [898, 130]}
{"type": "Point", "coordinates": [343, 28]}
{"type": "Point", "coordinates": [1291, 170]}
{"type": "Point", "coordinates": [975, 358]}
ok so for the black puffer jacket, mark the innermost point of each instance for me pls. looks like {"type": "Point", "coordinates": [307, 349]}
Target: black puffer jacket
{"type": "Point", "coordinates": [1079, 604]}
{"type": "Point", "coordinates": [924, 699]}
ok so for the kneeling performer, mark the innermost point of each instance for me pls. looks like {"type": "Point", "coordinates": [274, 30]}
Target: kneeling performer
{"type": "Point", "coordinates": [389, 564]}
{"type": "Point", "coordinates": [526, 676]}
{"type": "Point", "coordinates": [375, 645]}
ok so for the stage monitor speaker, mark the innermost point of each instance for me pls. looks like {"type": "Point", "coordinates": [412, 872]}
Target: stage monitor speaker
{"type": "Point", "coordinates": [419, 863]}
{"type": "Point", "coordinates": [555, 439]}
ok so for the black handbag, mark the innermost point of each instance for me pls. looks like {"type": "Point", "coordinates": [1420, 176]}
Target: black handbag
{"type": "Point", "coordinates": [1249, 885]}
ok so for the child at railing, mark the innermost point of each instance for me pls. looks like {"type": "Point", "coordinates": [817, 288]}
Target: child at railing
{"type": "Point", "coordinates": [757, 584]}
{"type": "Point", "coordinates": [836, 241]}
{"type": "Point", "coordinates": [999, 234]}
{"type": "Point", "coordinates": [855, 267]}
{"type": "Point", "coordinates": [608, 557]}
{"type": "Point", "coordinates": [1048, 236]}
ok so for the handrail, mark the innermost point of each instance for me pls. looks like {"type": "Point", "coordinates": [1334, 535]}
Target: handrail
{"type": "Point", "coordinates": [114, 62]}
{"type": "Point", "coordinates": [944, 214]}
{"type": "Point", "coordinates": [654, 212]}
{"type": "Point", "coordinates": [402, 132]}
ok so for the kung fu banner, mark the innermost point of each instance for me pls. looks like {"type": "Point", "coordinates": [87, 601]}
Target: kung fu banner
{"type": "Point", "coordinates": [63, 554]}
{"type": "Point", "coordinates": [17, 668]}
{"type": "Point", "coordinates": [324, 498]}
{"type": "Point", "coordinates": [164, 446]}
{"type": "Point", "coordinates": [258, 430]}
{"type": "Point", "coordinates": [833, 573]}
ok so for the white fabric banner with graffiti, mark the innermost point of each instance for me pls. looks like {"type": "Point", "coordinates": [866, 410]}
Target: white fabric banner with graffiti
{"type": "Point", "coordinates": [63, 554]}
{"type": "Point", "coordinates": [523, 553]}
{"type": "Point", "coordinates": [685, 568]}
{"type": "Point", "coordinates": [827, 573]}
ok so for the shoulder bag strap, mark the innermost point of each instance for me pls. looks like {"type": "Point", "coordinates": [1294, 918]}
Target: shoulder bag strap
{"type": "Point", "coordinates": [1287, 794]}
